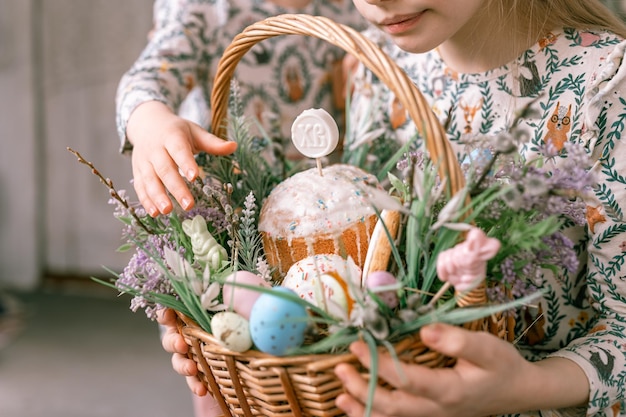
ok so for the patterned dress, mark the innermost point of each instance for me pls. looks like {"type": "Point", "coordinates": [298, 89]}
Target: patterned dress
{"type": "Point", "coordinates": [277, 79]}
{"type": "Point", "coordinates": [576, 83]}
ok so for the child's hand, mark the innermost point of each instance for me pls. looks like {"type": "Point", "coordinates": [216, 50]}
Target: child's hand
{"type": "Point", "coordinates": [174, 343]}
{"type": "Point", "coordinates": [163, 149]}
{"type": "Point", "coordinates": [490, 377]}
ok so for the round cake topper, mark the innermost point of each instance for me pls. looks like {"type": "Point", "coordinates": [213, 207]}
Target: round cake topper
{"type": "Point", "coordinates": [315, 133]}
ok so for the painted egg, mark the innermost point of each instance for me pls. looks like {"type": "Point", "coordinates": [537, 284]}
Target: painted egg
{"type": "Point", "coordinates": [377, 279]}
{"type": "Point", "coordinates": [276, 323]}
{"type": "Point", "coordinates": [241, 299]}
{"type": "Point", "coordinates": [323, 280]}
{"type": "Point", "coordinates": [232, 331]}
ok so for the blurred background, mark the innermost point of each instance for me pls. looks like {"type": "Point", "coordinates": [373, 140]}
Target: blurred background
{"type": "Point", "coordinates": [69, 347]}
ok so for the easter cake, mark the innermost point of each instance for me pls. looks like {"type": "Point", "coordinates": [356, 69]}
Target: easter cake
{"type": "Point", "coordinates": [319, 213]}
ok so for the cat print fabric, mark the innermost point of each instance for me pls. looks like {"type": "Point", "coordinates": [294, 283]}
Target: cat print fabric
{"type": "Point", "coordinates": [575, 84]}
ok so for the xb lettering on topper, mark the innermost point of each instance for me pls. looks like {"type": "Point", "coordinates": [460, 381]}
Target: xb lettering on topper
{"type": "Point", "coordinates": [315, 133]}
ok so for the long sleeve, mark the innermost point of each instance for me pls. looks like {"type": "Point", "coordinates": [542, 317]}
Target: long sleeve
{"type": "Point", "coordinates": [602, 353]}
{"type": "Point", "coordinates": [278, 79]}
{"type": "Point", "coordinates": [574, 75]}
{"type": "Point", "coordinates": [174, 60]}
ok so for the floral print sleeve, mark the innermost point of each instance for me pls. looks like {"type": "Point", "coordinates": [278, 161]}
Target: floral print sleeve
{"type": "Point", "coordinates": [278, 79]}
{"type": "Point", "coordinates": [574, 84]}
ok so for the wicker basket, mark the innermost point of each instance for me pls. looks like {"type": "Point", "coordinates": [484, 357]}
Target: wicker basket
{"type": "Point", "coordinates": [257, 384]}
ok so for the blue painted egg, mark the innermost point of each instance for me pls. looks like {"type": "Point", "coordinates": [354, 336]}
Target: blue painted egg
{"type": "Point", "coordinates": [276, 323]}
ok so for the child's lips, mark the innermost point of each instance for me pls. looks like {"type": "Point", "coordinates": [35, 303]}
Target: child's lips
{"type": "Point", "coordinates": [399, 24]}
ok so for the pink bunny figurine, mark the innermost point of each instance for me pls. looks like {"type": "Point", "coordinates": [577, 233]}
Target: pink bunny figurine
{"type": "Point", "coordinates": [465, 265]}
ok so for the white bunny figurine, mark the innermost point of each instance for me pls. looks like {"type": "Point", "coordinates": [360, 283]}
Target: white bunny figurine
{"type": "Point", "coordinates": [205, 248]}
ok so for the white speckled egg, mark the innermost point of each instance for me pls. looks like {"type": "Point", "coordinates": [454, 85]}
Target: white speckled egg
{"type": "Point", "coordinates": [377, 279]}
{"type": "Point", "coordinates": [322, 280]}
{"type": "Point", "coordinates": [277, 324]}
{"type": "Point", "coordinates": [241, 299]}
{"type": "Point", "coordinates": [232, 331]}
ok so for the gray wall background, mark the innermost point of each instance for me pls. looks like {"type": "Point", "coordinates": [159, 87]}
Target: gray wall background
{"type": "Point", "coordinates": [60, 62]}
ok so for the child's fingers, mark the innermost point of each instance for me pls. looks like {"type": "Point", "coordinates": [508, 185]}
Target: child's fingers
{"type": "Point", "coordinates": [351, 406]}
{"type": "Point", "coordinates": [209, 143]}
{"type": "Point", "coordinates": [173, 342]}
{"type": "Point", "coordinates": [357, 390]}
{"type": "Point", "coordinates": [181, 146]}
{"type": "Point", "coordinates": [165, 175]}
{"type": "Point", "coordinates": [419, 381]}
{"type": "Point", "coordinates": [188, 368]}
{"type": "Point", "coordinates": [385, 401]}
{"type": "Point", "coordinates": [166, 317]}
{"type": "Point", "coordinates": [196, 386]}
{"type": "Point", "coordinates": [478, 348]}
{"type": "Point", "coordinates": [183, 365]}
{"type": "Point", "coordinates": [138, 183]}
{"type": "Point", "coordinates": [148, 185]}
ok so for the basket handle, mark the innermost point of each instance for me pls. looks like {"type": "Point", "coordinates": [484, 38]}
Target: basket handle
{"type": "Point", "coordinates": [363, 49]}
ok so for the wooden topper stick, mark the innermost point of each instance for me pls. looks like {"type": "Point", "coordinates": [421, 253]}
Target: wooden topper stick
{"type": "Point", "coordinates": [315, 134]}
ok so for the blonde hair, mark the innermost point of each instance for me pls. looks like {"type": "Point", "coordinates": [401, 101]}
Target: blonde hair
{"type": "Point", "coordinates": [537, 17]}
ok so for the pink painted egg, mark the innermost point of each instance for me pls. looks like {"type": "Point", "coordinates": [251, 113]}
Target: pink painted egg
{"type": "Point", "coordinates": [377, 279]}
{"type": "Point", "coordinates": [241, 299]}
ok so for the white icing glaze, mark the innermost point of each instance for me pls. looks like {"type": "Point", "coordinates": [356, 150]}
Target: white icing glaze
{"type": "Point", "coordinates": [308, 204]}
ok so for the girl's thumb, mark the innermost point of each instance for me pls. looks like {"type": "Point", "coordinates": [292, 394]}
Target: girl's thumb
{"type": "Point", "coordinates": [209, 143]}
{"type": "Point", "coordinates": [459, 343]}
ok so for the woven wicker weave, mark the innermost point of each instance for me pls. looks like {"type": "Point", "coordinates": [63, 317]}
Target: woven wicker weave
{"type": "Point", "coordinates": [253, 383]}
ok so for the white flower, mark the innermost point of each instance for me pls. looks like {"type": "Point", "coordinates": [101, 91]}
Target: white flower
{"type": "Point", "coordinates": [180, 267]}
{"type": "Point", "coordinates": [210, 298]}
{"type": "Point", "coordinates": [451, 209]}
{"type": "Point", "coordinates": [382, 200]}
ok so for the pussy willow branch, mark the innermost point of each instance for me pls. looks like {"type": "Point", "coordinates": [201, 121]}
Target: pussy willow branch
{"type": "Point", "coordinates": [112, 191]}
{"type": "Point", "coordinates": [524, 112]}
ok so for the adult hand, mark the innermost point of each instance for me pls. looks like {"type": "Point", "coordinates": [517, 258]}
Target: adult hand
{"type": "Point", "coordinates": [164, 145]}
{"type": "Point", "coordinates": [174, 343]}
{"type": "Point", "coordinates": [489, 377]}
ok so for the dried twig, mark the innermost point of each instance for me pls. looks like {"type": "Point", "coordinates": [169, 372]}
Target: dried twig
{"type": "Point", "coordinates": [112, 191]}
